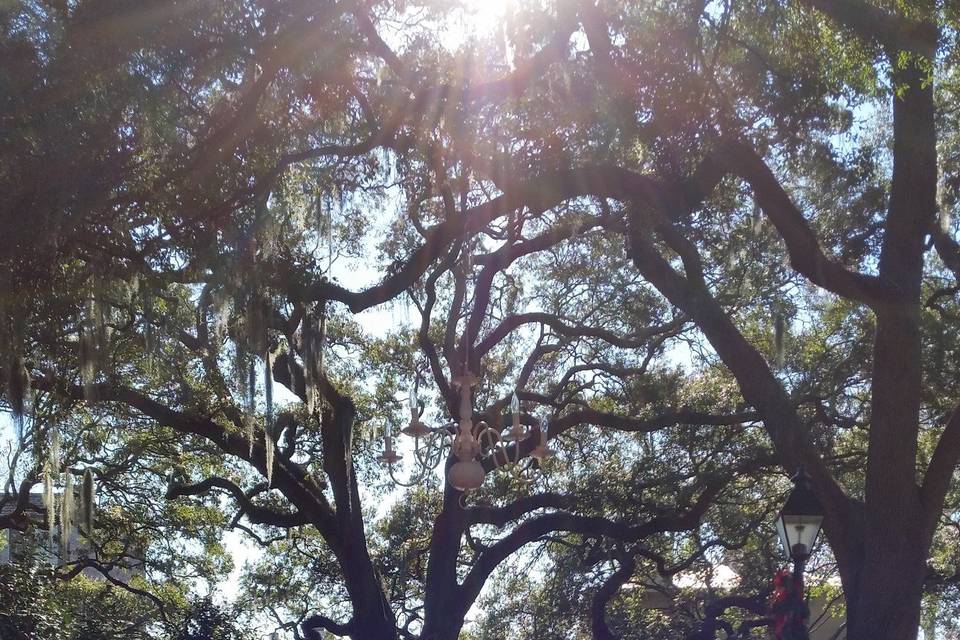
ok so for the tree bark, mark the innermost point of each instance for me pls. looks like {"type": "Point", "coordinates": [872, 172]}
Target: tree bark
{"type": "Point", "coordinates": [373, 618]}
{"type": "Point", "coordinates": [444, 606]}
{"type": "Point", "coordinates": [884, 602]}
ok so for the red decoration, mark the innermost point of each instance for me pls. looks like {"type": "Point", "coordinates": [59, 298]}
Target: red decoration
{"type": "Point", "coordinates": [790, 612]}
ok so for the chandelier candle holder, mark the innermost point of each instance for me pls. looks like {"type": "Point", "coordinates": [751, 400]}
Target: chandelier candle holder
{"type": "Point", "coordinates": [543, 451]}
{"type": "Point", "coordinates": [517, 431]}
{"type": "Point", "coordinates": [469, 444]}
{"type": "Point", "coordinates": [389, 455]}
{"type": "Point", "coordinates": [416, 428]}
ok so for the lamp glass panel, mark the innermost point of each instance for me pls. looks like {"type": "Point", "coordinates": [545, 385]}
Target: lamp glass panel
{"type": "Point", "coordinates": [798, 529]}
{"type": "Point", "coordinates": [783, 535]}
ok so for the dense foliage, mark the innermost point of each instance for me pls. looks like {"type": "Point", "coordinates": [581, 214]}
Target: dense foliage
{"type": "Point", "coordinates": [704, 243]}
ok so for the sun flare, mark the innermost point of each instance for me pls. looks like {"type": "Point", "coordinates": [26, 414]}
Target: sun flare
{"type": "Point", "coordinates": [482, 19]}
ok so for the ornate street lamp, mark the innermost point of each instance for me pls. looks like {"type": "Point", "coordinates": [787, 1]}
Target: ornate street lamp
{"type": "Point", "coordinates": [798, 525]}
{"type": "Point", "coordinates": [799, 521]}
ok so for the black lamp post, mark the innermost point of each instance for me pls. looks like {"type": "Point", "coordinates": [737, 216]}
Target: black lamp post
{"type": "Point", "coordinates": [799, 525]}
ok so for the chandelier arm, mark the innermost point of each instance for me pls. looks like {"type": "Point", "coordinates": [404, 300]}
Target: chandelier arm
{"type": "Point", "coordinates": [431, 453]}
{"type": "Point", "coordinates": [410, 483]}
{"type": "Point", "coordinates": [492, 439]}
{"type": "Point", "coordinates": [439, 451]}
{"type": "Point", "coordinates": [418, 451]}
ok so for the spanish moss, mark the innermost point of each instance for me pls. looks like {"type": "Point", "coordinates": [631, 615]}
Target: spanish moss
{"type": "Point", "coordinates": [87, 357]}
{"type": "Point", "coordinates": [251, 386]}
{"type": "Point", "coordinates": [55, 447]}
{"type": "Point", "coordinates": [268, 388]}
{"type": "Point", "coordinates": [222, 304]}
{"type": "Point", "coordinates": [149, 335]}
{"type": "Point", "coordinates": [313, 334]}
{"type": "Point", "coordinates": [18, 391]}
{"type": "Point", "coordinates": [87, 501]}
{"type": "Point", "coordinates": [66, 516]}
{"type": "Point", "coordinates": [49, 500]}
{"type": "Point", "coordinates": [268, 455]}
{"type": "Point", "coordinates": [256, 323]}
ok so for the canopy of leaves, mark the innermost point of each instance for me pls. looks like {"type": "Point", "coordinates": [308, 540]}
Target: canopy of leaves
{"type": "Point", "coordinates": [235, 233]}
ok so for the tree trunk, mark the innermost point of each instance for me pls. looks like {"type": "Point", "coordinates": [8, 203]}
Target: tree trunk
{"type": "Point", "coordinates": [885, 589]}
{"type": "Point", "coordinates": [373, 618]}
{"type": "Point", "coordinates": [444, 606]}
{"type": "Point", "coordinates": [374, 630]}
{"type": "Point", "coordinates": [885, 602]}
{"type": "Point", "coordinates": [444, 615]}
{"type": "Point", "coordinates": [444, 628]}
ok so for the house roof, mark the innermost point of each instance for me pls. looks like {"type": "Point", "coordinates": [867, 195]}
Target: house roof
{"type": "Point", "coordinates": [9, 503]}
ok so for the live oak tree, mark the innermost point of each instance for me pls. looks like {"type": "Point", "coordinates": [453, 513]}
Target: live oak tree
{"type": "Point", "coordinates": [140, 313]}
{"type": "Point", "coordinates": [703, 239]}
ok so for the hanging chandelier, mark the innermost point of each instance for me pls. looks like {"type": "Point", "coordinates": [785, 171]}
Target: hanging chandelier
{"type": "Point", "coordinates": [471, 448]}
{"type": "Point", "coordinates": [470, 445]}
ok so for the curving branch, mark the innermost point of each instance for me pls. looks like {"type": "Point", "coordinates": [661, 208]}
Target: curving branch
{"type": "Point", "coordinates": [806, 254]}
{"type": "Point", "coordinates": [940, 470]}
{"type": "Point", "coordinates": [605, 420]}
{"type": "Point", "coordinates": [637, 338]}
{"type": "Point", "coordinates": [538, 194]}
{"type": "Point", "coordinates": [501, 516]}
{"type": "Point", "coordinates": [15, 508]}
{"type": "Point", "coordinates": [871, 23]}
{"type": "Point", "coordinates": [314, 623]}
{"type": "Point", "coordinates": [106, 570]}
{"type": "Point", "coordinates": [534, 528]}
{"type": "Point", "coordinates": [606, 592]}
{"type": "Point", "coordinates": [500, 260]}
{"type": "Point", "coordinates": [257, 514]}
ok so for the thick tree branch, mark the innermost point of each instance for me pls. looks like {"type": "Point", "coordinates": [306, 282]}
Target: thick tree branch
{"type": "Point", "coordinates": [314, 623]}
{"type": "Point", "coordinates": [940, 470]}
{"type": "Point", "coordinates": [873, 24]}
{"type": "Point", "coordinates": [757, 383]}
{"type": "Point", "coordinates": [948, 249]}
{"type": "Point", "coordinates": [806, 255]}
{"type": "Point", "coordinates": [609, 588]}
{"type": "Point", "coordinates": [255, 513]}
